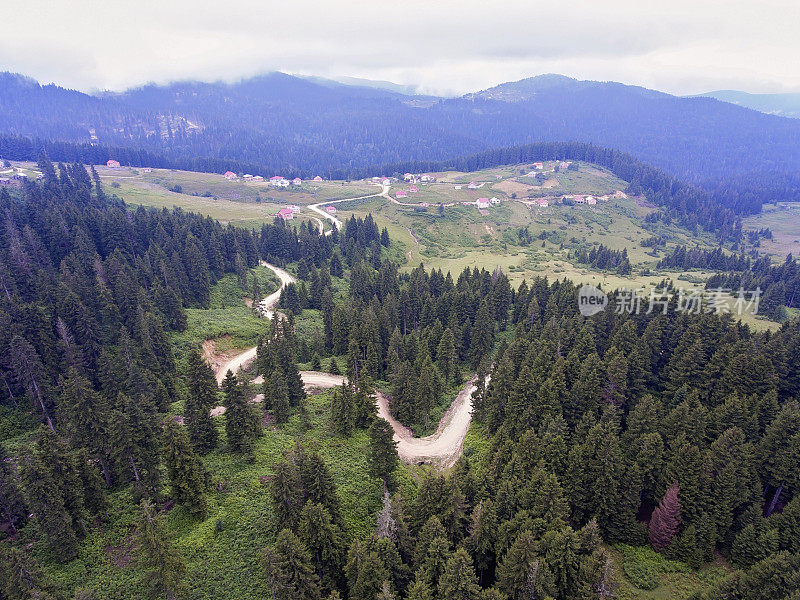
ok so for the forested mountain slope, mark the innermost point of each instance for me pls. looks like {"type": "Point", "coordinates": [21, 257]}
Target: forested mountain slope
{"type": "Point", "coordinates": [283, 122]}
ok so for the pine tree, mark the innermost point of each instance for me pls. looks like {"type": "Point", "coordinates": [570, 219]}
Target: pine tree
{"type": "Point", "coordinates": [162, 564]}
{"type": "Point", "coordinates": [481, 336]}
{"type": "Point", "coordinates": [666, 519]}
{"type": "Point", "coordinates": [12, 505]}
{"type": "Point", "coordinates": [289, 569]}
{"type": "Point", "coordinates": [523, 573]}
{"type": "Point", "coordinates": [382, 450]}
{"type": "Point", "coordinates": [21, 578]}
{"type": "Point", "coordinates": [242, 425]}
{"type": "Point", "coordinates": [342, 410]}
{"type": "Point", "coordinates": [276, 396]}
{"type": "Point", "coordinates": [201, 399]}
{"type": "Point", "coordinates": [458, 580]}
{"type": "Point", "coordinates": [446, 357]}
{"type": "Point", "coordinates": [325, 542]}
{"type": "Point", "coordinates": [187, 476]}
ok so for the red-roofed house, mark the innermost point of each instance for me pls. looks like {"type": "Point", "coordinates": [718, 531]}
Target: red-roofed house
{"type": "Point", "coordinates": [317, 178]}
{"type": "Point", "coordinates": [413, 189]}
{"type": "Point", "coordinates": [297, 181]}
{"type": "Point", "coordinates": [401, 194]}
{"type": "Point", "coordinates": [482, 203]}
{"type": "Point", "coordinates": [331, 210]}
{"type": "Point", "coordinates": [229, 175]}
{"type": "Point", "coordinates": [114, 164]}
{"type": "Point", "coordinates": [472, 185]}
{"type": "Point", "coordinates": [543, 202]}
{"type": "Point", "coordinates": [287, 214]}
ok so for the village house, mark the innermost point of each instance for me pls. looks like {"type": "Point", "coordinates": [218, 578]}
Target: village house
{"type": "Point", "coordinates": [427, 178]}
{"type": "Point", "coordinates": [294, 208]}
{"type": "Point", "coordinates": [229, 175]}
{"type": "Point", "coordinates": [538, 165]}
{"type": "Point", "coordinates": [482, 203]}
{"type": "Point", "coordinates": [591, 200]}
{"type": "Point", "coordinates": [286, 214]}
{"type": "Point", "coordinates": [5, 181]}
{"type": "Point", "coordinates": [467, 204]}
{"type": "Point", "coordinates": [401, 194]}
{"type": "Point", "coordinates": [408, 176]}
{"type": "Point", "coordinates": [472, 186]}
{"type": "Point", "coordinates": [413, 189]}
{"type": "Point", "coordinates": [258, 178]}
{"type": "Point", "coordinates": [114, 164]}
{"type": "Point", "coordinates": [331, 210]}
{"type": "Point", "coordinates": [578, 199]}
{"type": "Point", "coordinates": [543, 202]}
{"type": "Point", "coordinates": [376, 179]}
{"type": "Point", "coordinates": [456, 187]}
{"type": "Point", "coordinates": [424, 204]}
{"type": "Point", "coordinates": [297, 181]}
{"type": "Point", "coordinates": [495, 201]}
{"type": "Point", "coordinates": [317, 178]}
{"type": "Point", "coordinates": [147, 170]}
{"type": "Point", "coordinates": [386, 181]}
{"type": "Point", "coordinates": [247, 176]}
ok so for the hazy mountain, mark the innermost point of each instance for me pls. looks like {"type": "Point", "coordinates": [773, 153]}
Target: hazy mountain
{"type": "Point", "coordinates": [280, 121]}
{"type": "Point", "coordinates": [784, 105]}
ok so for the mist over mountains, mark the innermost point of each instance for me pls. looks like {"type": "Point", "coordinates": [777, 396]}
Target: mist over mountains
{"type": "Point", "coordinates": [281, 121]}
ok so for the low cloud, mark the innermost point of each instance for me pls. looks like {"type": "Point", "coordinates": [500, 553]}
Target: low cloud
{"type": "Point", "coordinates": [444, 47]}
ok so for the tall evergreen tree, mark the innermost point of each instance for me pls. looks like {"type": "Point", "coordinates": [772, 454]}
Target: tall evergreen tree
{"type": "Point", "coordinates": [242, 426]}
{"type": "Point", "coordinates": [163, 566]}
{"type": "Point", "coordinates": [201, 399]}
{"type": "Point", "coordinates": [186, 474]}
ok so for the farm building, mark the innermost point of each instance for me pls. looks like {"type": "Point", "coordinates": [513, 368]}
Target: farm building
{"type": "Point", "coordinates": [287, 214]}
{"type": "Point", "coordinates": [543, 202]}
{"type": "Point", "coordinates": [229, 175]}
{"type": "Point", "coordinates": [401, 194]}
{"type": "Point", "coordinates": [386, 181]}
{"type": "Point", "coordinates": [408, 176]}
{"type": "Point", "coordinates": [294, 208]}
{"type": "Point", "coordinates": [247, 176]}
{"type": "Point", "coordinates": [482, 203]}
{"type": "Point", "coordinates": [413, 189]}
{"type": "Point", "coordinates": [331, 210]}
{"type": "Point", "coordinates": [424, 204]}
{"type": "Point", "coordinates": [297, 181]}
{"type": "Point", "coordinates": [456, 187]}
{"type": "Point", "coordinates": [538, 165]}
{"type": "Point", "coordinates": [472, 185]}
{"type": "Point", "coordinates": [258, 178]}
{"type": "Point", "coordinates": [317, 178]}
{"type": "Point", "coordinates": [495, 200]}
{"type": "Point", "coordinates": [114, 164]}
{"type": "Point", "coordinates": [579, 199]}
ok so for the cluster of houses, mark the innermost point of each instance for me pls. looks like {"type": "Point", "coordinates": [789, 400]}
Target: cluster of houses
{"type": "Point", "coordinates": [288, 213]}
{"type": "Point", "coordinates": [419, 178]}
{"type": "Point", "coordinates": [274, 181]}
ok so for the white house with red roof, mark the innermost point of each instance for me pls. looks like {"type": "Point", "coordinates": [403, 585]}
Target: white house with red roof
{"type": "Point", "coordinates": [543, 202]}
{"type": "Point", "coordinates": [472, 186]}
{"type": "Point", "coordinates": [287, 214]}
{"type": "Point", "coordinates": [317, 178]}
{"type": "Point", "coordinates": [114, 164]}
{"type": "Point", "coordinates": [495, 200]}
{"type": "Point", "coordinates": [591, 200]}
{"type": "Point", "coordinates": [294, 208]}
{"type": "Point", "coordinates": [413, 189]}
{"type": "Point", "coordinates": [297, 181]}
{"type": "Point", "coordinates": [482, 203]}
{"type": "Point", "coordinates": [331, 210]}
{"type": "Point", "coordinates": [229, 175]}
{"type": "Point", "coordinates": [401, 194]}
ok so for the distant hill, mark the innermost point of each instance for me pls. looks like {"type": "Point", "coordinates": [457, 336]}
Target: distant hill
{"type": "Point", "coordinates": [784, 105]}
{"type": "Point", "coordinates": [285, 122]}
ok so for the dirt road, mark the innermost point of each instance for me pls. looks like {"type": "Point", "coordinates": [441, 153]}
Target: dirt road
{"type": "Point", "coordinates": [336, 222]}
{"type": "Point", "coordinates": [267, 309]}
{"type": "Point", "coordinates": [441, 448]}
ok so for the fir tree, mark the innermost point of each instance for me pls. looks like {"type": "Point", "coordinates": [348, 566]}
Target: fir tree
{"type": "Point", "coordinates": [187, 476]}
{"type": "Point", "coordinates": [665, 520]}
{"type": "Point", "coordinates": [242, 426]}
{"type": "Point", "coordinates": [163, 566]}
{"type": "Point", "coordinates": [382, 450]}
{"type": "Point", "coordinates": [458, 580]}
{"type": "Point", "coordinates": [201, 399]}
{"type": "Point", "coordinates": [289, 569]}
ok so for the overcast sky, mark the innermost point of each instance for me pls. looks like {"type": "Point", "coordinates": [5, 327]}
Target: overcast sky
{"type": "Point", "coordinates": [445, 47]}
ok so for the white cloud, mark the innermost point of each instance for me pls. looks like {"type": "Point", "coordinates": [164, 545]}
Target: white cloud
{"type": "Point", "coordinates": [445, 47]}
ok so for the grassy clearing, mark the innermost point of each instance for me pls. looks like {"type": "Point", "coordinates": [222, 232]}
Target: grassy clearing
{"type": "Point", "coordinates": [783, 220]}
{"type": "Point", "coordinates": [650, 576]}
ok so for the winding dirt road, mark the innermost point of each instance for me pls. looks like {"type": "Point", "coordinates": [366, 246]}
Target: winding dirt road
{"type": "Point", "coordinates": [336, 222]}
